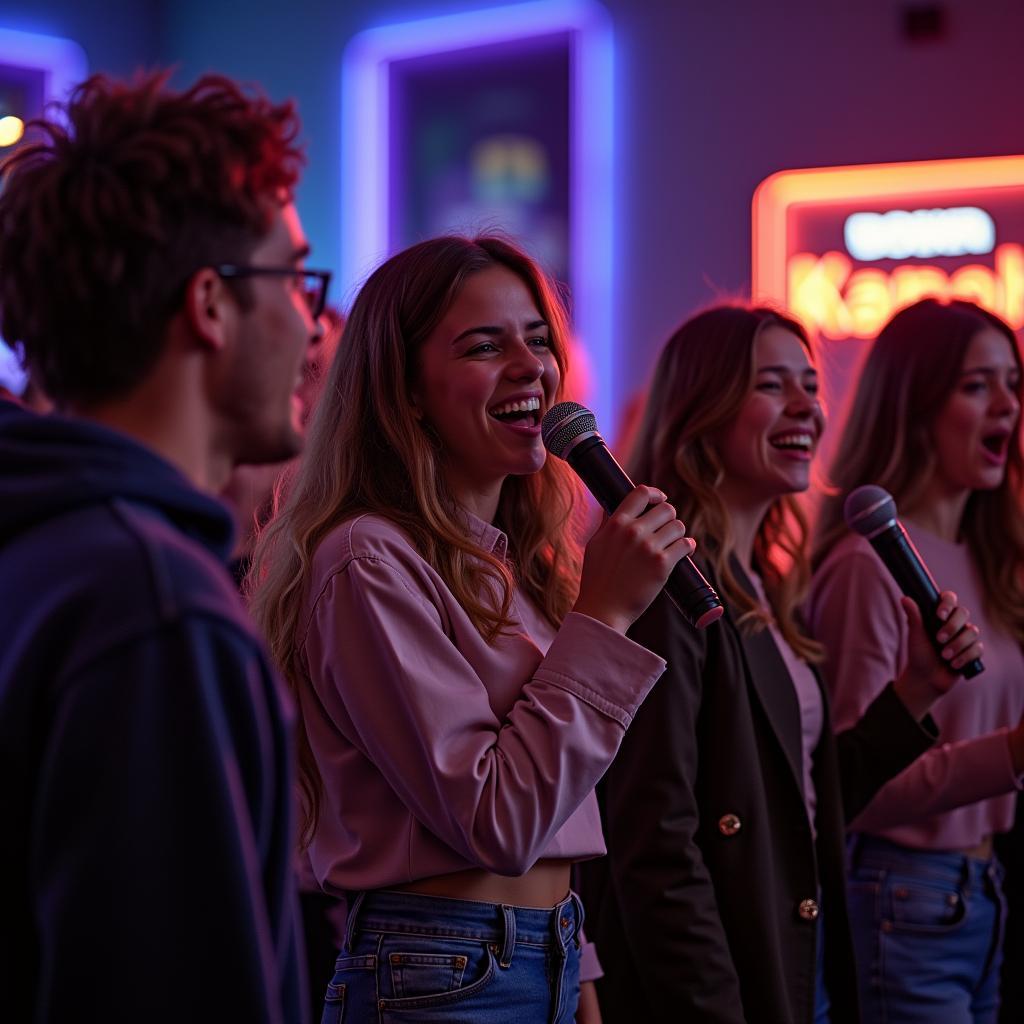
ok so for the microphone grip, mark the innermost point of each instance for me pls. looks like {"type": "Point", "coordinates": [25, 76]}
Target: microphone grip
{"type": "Point", "coordinates": [897, 551]}
{"type": "Point", "coordinates": [605, 478]}
{"type": "Point", "coordinates": [686, 587]}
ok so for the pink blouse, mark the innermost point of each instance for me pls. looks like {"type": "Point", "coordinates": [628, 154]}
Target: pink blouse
{"type": "Point", "coordinates": [440, 752]}
{"type": "Point", "coordinates": [809, 698]}
{"type": "Point", "coordinates": [962, 790]}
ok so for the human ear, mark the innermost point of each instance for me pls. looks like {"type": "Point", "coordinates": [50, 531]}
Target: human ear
{"type": "Point", "coordinates": [209, 307]}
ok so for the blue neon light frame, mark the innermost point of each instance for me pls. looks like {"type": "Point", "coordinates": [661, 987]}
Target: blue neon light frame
{"type": "Point", "coordinates": [365, 162]}
{"type": "Point", "coordinates": [63, 65]}
{"type": "Point", "coordinates": [61, 61]}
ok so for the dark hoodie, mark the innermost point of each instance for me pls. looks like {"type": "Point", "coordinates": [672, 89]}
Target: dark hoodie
{"type": "Point", "coordinates": [145, 747]}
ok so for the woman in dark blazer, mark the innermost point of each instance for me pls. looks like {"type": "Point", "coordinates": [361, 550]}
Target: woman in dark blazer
{"type": "Point", "coordinates": [722, 897]}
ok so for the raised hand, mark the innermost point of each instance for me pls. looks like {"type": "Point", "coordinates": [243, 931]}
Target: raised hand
{"type": "Point", "coordinates": [928, 675]}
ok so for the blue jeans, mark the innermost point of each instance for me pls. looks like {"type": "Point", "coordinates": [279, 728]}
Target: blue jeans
{"type": "Point", "coordinates": [417, 958]}
{"type": "Point", "coordinates": [927, 932]}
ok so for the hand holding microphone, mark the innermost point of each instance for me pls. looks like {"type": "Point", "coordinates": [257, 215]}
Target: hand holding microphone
{"type": "Point", "coordinates": [920, 685]}
{"type": "Point", "coordinates": [630, 557]}
{"type": "Point", "coordinates": [642, 547]}
{"type": "Point", "coordinates": [938, 626]}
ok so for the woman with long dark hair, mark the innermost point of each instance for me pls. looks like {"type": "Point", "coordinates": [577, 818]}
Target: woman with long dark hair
{"type": "Point", "coordinates": [935, 420]}
{"type": "Point", "coordinates": [463, 677]}
{"type": "Point", "coordinates": [722, 897]}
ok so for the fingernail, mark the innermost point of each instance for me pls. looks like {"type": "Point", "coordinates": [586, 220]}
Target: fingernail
{"type": "Point", "coordinates": [947, 651]}
{"type": "Point", "coordinates": [943, 613]}
{"type": "Point", "coordinates": [943, 637]}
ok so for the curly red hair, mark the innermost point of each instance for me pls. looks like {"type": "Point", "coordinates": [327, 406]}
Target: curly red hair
{"type": "Point", "coordinates": [106, 215]}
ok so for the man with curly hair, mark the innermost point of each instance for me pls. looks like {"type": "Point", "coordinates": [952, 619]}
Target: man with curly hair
{"type": "Point", "coordinates": [152, 272]}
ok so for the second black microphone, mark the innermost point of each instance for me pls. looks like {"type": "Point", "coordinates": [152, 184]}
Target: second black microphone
{"type": "Point", "coordinates": [871, 512]}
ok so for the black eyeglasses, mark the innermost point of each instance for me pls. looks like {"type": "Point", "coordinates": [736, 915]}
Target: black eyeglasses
{"type": "Point", "coordinates": [314, 282]}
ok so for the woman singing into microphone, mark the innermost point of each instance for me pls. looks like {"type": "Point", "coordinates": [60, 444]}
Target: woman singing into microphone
{"type": "Point", "coordinates": [722, 897]}
{"type": "Point", "coordinates": [463, 681]}
{"type": "Point", "coordinates": [935, 421]}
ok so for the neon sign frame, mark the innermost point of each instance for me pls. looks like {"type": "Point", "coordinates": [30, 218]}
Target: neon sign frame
{"type": "Point", "coordinates": [365, 156]}
{"type": "Point", "coordinates": [775, 196]}
{"type": "Point", "coordinates": [63, 65]}
{"type": "Point", "coordinates": [61, 61]}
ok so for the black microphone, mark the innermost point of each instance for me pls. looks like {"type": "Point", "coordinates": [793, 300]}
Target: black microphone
{"type": "Point", "coordinates": [871, 512]}
{"type": "Point", "coordinates": [570, 432]}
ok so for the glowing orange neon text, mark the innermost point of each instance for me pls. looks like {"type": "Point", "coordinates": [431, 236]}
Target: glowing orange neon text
{"type": "Point", "coordinates": [829, 295]}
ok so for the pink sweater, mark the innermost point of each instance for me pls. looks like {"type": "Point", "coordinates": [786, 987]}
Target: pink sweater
{"type": "Point", "coordinates": [962, 790]}
{"type": "Point", "coordinates": [441, 752]}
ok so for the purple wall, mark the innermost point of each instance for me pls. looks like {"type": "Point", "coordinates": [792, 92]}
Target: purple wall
{"type": "Point", "coordinates": [712, 98]}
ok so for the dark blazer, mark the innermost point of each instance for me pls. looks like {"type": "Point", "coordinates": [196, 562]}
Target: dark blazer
{"type": "Point", "coordinates": [705, 908]}
{"type": "Point", "coordinates": [1010, 848]}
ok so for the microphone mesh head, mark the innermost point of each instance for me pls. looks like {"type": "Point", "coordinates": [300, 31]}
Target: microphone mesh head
{"type": "Point", "coordinates": [867, 509]}
{"type": "Point", "coordinates": [563, 423]}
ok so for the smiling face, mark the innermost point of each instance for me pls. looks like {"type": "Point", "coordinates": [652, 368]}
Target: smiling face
{"type": "Point", "coordinates": [766, 450]}
{"type": "Point", "coordinates": [973, 431]}
{"type": "Point", "coordinates": [486, 375]}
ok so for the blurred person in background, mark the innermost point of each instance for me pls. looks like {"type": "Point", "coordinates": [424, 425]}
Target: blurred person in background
{"type": "Point", "coordinates": [722, 897]}
{"type": "Point", "coordinates": [152, 267]}
{"type": "Point", "coordinates": [935, 420]}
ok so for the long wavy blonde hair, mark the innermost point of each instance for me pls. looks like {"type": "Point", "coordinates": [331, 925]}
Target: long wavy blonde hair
{"type": "Point", "coordinates": [908, 376]}
{"type": "Point", "coordinates": [368, 452]}
{"type": "Point", "coordinates": [705, 373]}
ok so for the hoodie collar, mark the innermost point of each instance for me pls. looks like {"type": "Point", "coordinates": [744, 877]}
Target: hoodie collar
{"type": "Point", "coordinates": [51, 465]}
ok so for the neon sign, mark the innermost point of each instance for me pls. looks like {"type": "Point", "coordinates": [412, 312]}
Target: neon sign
{"type": "Point", "coordinates": [898, 234]}
{"type": "Point", "coordinates": [844, 248]}
{"type": "Point", "coordinates": [370, 157]}
{"type": "Point", "coordinates": [845, 303]}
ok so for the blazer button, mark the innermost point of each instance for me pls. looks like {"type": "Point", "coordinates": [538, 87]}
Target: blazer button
{"type": "Point", "coordinates": [808, 910]}
{"type": "Point", "coordinates": [729, 824]}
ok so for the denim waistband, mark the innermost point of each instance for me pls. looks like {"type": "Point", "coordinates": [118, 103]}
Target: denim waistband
{"type": "Point", "coordinates": [414, 914]}
{"type": "Point", "coordinates": [871, 853]}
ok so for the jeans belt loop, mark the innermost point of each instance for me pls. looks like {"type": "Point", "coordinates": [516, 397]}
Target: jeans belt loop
{"type": "Point", "coordinates": [578, 905]}
{"type": "Point", "coordinates": [855, 847]}
{"type": "Point", "coordinates": [967, 876]}
{"type": "Point", "coordinates": [509, 941]}
{"type": "Point", "coordinates": [350, 923]}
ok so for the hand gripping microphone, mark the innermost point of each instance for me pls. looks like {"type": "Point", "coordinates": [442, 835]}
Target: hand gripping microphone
{"type": "Point", "coordinates": [871, 512]}
{"type": "Point", "coordinates": [570, 432]}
